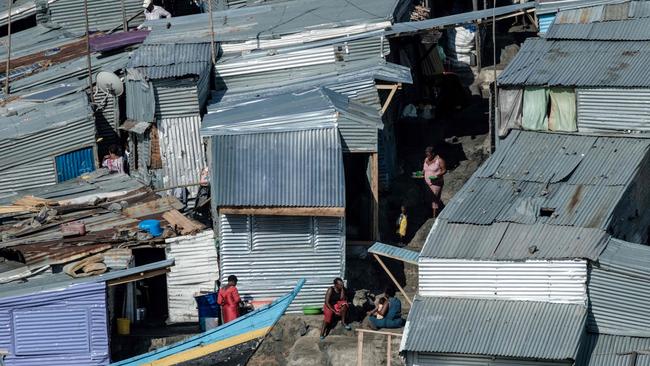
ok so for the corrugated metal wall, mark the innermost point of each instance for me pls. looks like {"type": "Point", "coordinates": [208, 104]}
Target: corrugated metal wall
{"type": "Point", "coordinates": [269, 254]}
{"type": "Point", "coordinates": [545, 21]}
{"type": "Point", "coordinates": [552, 281]}
{"type": "Point", "coordinates": [29, 175]}
{"type": "Point", "coordinates": [182, 151]}
{"type": "Point", "coordinates": [75, 163]}
{"type": "Point", "coordinates": [102, 14]}
{"type": "Point", "coordinates": [614, 110]}
{"type": "Point", "coordinates": [57, 328]}
{"type": "Point", "coordinates": [196, 269]}
{"type": "Point", "coordinates": [357, 135]}
{"type": "Point", "coordinates": [427, 359]}
{"type": "Point", "coordinates": [618, 304]}
{"type": "Point", "coordinates": [107, 118]}
{"type": "Point", "coordinates": [176, 98]}
{"type": "Point", "coordinates": [140, 101]}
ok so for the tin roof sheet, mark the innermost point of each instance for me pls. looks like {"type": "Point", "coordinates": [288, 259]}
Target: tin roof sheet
{"type": "Point", "coordinates": [394, 252]}
{"type": "Point", "coordinates": [159, 61]}
{"type": "Point", "coordinates": [626, 20]}
{"type": "Point", "coordinates": [627, 258]}
{"type": "Point", "coordinates": [611, 350]}
{"type": "Point", "coordinates": [517, 329]}
{"type": "Point", "coordinates": [579, 63]}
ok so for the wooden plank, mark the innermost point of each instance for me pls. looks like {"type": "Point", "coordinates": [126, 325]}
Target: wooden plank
{"type": "Point", "coordinates": [390, 274]}
{"type": "Point", "coordinates": [374, 186]}
{"type": "Point", "coordinates": [284, 211]}
{"type": "Point", "coordinates": [360, 349]}
{"type": "Point", "coordinates": [384, 332]}
{"type": "Point", "coordinates": [388, 350]}
{"type": "Point", "coordinates": [393, 90]}
{"type": "Point", "coordinates": [182, 223]}
{"type": "Point", "coordinates": [137, 277]}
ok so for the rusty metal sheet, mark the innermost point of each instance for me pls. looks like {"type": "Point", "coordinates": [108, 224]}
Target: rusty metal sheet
{"type": "Point", "coordinates": [53, 253]}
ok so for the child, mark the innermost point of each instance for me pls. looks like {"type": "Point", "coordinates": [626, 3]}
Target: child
{"type": "Point", "coordinates": [401, 225]}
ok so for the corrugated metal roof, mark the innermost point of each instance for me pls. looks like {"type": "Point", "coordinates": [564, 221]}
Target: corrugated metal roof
{"type": "Point", "coordinates": [610, 350]}
{"type": "Point", "coordinates": [349, 78]}
{"type": "Point", "coordinates": [158, 61]}
{"type": "Point", "coordinates": [313, 18]}
{"type": "Point", "coordinates": [182, 150]}
{"type": "Point", "coordinates": [511, 241]}
{"type": "Point", "coordinates": [579, 63]}
{"type": "Point", "coordinates": [516, 329]}
{"type": "Point", "coordinates": [103, 15]}
{"type": "Point", "coordinates": [394, 252]}
{"type": "Point", "coordinates": [297, 168]}
{"type": "Point", "coordinates": [627, 258]}
{"type": "Point", "coordinates": [62, 280]}
{"type": "Point", "coordinates": [606, 22]}
{"type": "Point", "coordinates": [546, 6]}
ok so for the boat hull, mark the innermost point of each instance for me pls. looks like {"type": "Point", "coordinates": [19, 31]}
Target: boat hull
{"type": "Point", "coordinates": [237, 355]}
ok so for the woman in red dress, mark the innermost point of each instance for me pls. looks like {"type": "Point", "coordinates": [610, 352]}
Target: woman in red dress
{"type": "Point", "coordinates": [229, 300]}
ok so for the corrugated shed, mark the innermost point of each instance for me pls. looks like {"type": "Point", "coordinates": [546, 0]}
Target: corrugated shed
{"type": "Point", "coordinates": [103, 15]}
{"type": "Point", "coordinates": [610, 350]}
{"type": "Point", "coordinates": [269, 253]}
{"type": "Point", "coordinates": [578, 63]}
{"type": "Point", "coordinates": [57, 327]}
{"type": "Point", "coordinates": [515, 329]}
{"type": "Point", "coordinates": [391, 251]}
{"type": "Point", "coordinates": [560, 281]}
{"type": "Point", "coordinates": [182, 150]}
{"type": "Point", "coordinates": [611, 111]}
{"type": "Point", "coordinates": [196, 269]}
{"type": "Point", "coordinates": [299, 168]}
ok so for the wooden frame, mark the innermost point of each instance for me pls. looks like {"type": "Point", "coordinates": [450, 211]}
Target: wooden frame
{"type": "Point", "coordinates": [284, 211]}
{"type": "Point", "coordinates": [389, 345]}
{"type": "Point", "coordinates": [393, 89]}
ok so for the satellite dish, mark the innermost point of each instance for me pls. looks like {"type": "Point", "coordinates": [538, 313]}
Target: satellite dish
{"type": "Point", "coordinates": [109, 83]}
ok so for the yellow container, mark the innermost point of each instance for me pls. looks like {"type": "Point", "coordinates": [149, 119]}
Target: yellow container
{"type": "Point", "coordinates": [123, 326]}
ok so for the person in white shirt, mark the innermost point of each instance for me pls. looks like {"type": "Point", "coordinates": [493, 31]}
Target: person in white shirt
{"type": "Point", "coordinates": [153, 12]}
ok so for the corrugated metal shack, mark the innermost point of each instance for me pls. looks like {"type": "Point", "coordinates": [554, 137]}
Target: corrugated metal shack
{"type": "Point", "coordinates": [168, 86]}
{"type": "Point", "coordinates": [57, 320]}
{"type": "Point", "coordinates": [586, 71]}
{"type": "Point", "coordinates": [279, 188]}
{"type": "Point", "coordinates": [46, 143]}
{"type": "Point", "coordinates": [527, 333]}
{"type": "Point", "coordinates": [534, 223]}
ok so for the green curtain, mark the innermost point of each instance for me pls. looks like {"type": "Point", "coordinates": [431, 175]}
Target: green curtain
{"type": "Point", "coordinates": [563, 110]}
{"type": "Point", "coordinates": [534, 110]}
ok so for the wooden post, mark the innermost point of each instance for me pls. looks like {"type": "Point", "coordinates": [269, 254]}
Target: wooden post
{"type": "Point", "coordinates": [374, 186]}
{"type": "Point", "coordinates": [8, 67]}
{"type": "Point", "coordinates": [388, 272]}
{"type": "Point", "coordinates": [388, 351]}
{"type": "Point", "coordinates": [360, 349]}
{"type": "Point", "coordinates": [125, 23]}
{"type": "Point", "coordinates": [213, 52]}
{"type": "Point", "coordinates": [88, 63]}
{"type": "Point", "coordinates": [393, 90]}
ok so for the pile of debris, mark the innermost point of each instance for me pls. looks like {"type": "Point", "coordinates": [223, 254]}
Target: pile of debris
{"type": "Point", "coordinates": [81, 223]}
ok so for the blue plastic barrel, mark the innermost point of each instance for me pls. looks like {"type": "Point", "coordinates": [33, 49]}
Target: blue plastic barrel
{"type": "Point", "coordinates": [208, 309]}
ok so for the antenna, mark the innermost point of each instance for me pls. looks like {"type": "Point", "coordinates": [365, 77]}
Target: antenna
{"type": "Point", "coordinates": [109, 83]}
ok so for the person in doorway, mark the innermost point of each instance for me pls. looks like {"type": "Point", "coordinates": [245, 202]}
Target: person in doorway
{"type": "Point", "coordinates": [434, 171]}
{"type": "Point", "coordinates": [154, 12]}
{"type": "Point", "coordinates": [336, 306]}
{"type": "Point", "coordinates": [113, 161]}
{"type": "Point", "coordinates": [229, 300]}
{"type": "Point", "coordinates": [390, 314]}
{"type": "Point", "coordinates": [402, 224]}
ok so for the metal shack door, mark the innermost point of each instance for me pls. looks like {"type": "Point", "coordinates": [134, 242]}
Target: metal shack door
{"type": "Point", "coordinates": [74, 164]}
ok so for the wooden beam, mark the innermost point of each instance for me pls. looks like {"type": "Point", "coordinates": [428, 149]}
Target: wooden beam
{"type": "Point", "coordinates": [388, 350]}
{"type": "Point", "coordinates": [360, 349]}
{"type": "Point", "coordinates": [374, 186]}
{"type": "Point", "coordinates": [384, 332]}
{"type": "Point", "coordinates": [284, 211]}
{"type": "Point", "coordinates": [390, 274]}
{"type": "Point", "coordinates": [137, 277]}
{"type": "Point", "coordinates": [393, 90]}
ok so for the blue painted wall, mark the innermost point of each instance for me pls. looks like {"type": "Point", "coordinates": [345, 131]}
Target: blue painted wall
{"type": "Point", "coordinates": [57, 327]}
{"type": "Point", "coordinates": [74, 164]}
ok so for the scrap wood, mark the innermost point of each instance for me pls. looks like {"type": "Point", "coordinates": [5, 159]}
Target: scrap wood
{"type": "Point", "coordinates": [186, 225]}
{"type": "Point", "coordinates": [153, 207]}
{"type": "Point", "coordinates": [35, 201]}
{"type": "Point", "coordinates": [90, 266]}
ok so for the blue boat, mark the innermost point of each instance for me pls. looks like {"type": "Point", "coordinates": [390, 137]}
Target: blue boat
{"type": "Point", "coordinates": [232, 343]}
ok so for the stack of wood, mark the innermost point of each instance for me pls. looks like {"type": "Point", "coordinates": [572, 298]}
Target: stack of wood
{"type": "Point", "coordinates": [27, 204]}
{"type": "Point", "coordinates": [181, 223]}
{"type": "Point", "coordinates": [420, 13]}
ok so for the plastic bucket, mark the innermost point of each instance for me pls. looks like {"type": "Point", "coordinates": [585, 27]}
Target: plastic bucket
{"type": "Point", "coordinates": [123, 326]}
{"type": "Point", "coordinates": [208, 310]}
